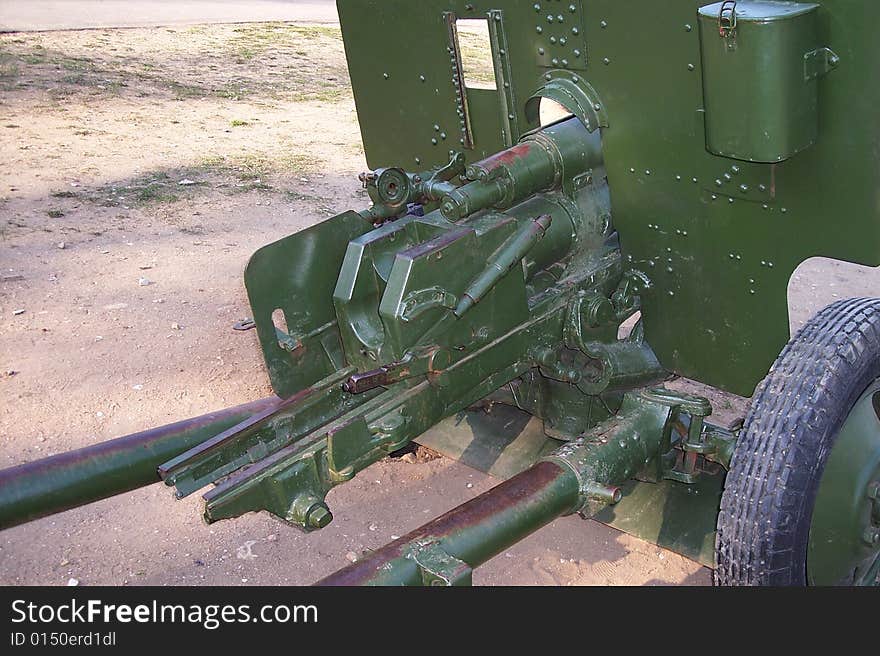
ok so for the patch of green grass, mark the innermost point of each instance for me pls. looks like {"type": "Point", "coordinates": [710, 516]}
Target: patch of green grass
{"type": "Point", "coordinates": [64, 71]}
{"type": "Point", "coordinates": [476, 57]}
{"type": "Point", "coordinates": [325, 94]}
{"type": "Point", "coordinates": [255, 39]}
{"type": "Point", "coordinates": [184, 91]}
{"type": "Point", "coordinates": [296, 197]}
{"type": "Point", "coordinates": [75, 63]}
{"type": "Point", "coordinates": [316, 31]}
{"type": "Point", "coordinates": [244, 54]}
{"type": "Point", "coordinates": [214, 162]}
{"type": "Point", "coordinates": [255, 167]}
{"type": "Point", "coordinates": [8, 67]}
{"type": "Point", "coordinates": [79, 79]}
{"type": "Point", "coordinates": [151, 189]}
{"type": "Point", "coordinates": [55, 214]}
{"type": "Point", "coordinates": [113, 88]}
{"type": "Point", "coordinates": [234, 90]}
{"type": "Point", "coordinates": [294, 162]}
{"type": "Point", "coordinates": [251, 185]}
{"type": "Point", "coordinates": [33, 58]}
{"type": "Point", "coordinates": [152, 194]}
{"type": "Point", "coordinates": [237, 123]}
{"type": "Point", "coordinates": [59, 94]}
{"type": "Point", "coordinates": [63, 194]}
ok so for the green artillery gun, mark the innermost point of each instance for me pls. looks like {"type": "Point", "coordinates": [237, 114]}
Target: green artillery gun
{"type": "Point", "coordinates": [706, 151]}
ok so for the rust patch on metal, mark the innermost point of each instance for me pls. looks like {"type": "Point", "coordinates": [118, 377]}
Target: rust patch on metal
{"type": "Point", "coordinates": [513, 492]}
{"type": "Point", "coordinates": [437, 243]}
{"type": "Point", "coordinates": [506, 157]}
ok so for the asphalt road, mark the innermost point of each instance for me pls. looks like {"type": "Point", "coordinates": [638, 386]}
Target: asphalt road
{"type": "Point", "coordinates": [43, 15]}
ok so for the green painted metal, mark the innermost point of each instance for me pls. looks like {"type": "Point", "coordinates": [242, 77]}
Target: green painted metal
{"type": "Point", "coordinates": [577, 97]}
{"type": "Point", "coordinates": [728, 252]}
{"type": "Point", "coordinates": [67, 480]}
{"type": "Point", "coordinates": [579, 476]}
{"type": "Point", "coordinates": [436, 310]}
{"type": "Point", "coordinates": [500, 440]}
{"type": "Point", "coordinates": [508, 255]}
{"type": "Point", "coordinates": [760, 105]}
{"type": "Point", "coordinates": [719, 238]}
{"type": "Point", "coordinates": [676, 516]}
{"type": "Point", "coordinates": [296, 275]}
{"type": "Point", "coordinates": [431, 311]}
{"type": "Point", "coordinates": [260, 435]}
{"type": "Point", "coordinates": [844, 544]}
{"type": "Point", "coordinates": [425, 85]}
{"type": "Point", "coordinates": [470, 534]}
{"type": "Point", "coordinates": [489, 270]}
{"type": "Point", "coordinates": [504, 441]}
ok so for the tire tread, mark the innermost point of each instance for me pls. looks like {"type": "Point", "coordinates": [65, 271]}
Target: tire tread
{"type": "Point", "coordinates": [766, 507]}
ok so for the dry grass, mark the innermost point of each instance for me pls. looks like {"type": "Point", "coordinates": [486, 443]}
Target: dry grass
{"type": "Point", "coordinates": [268, 61]}
{"type": "Point", "coordinates": [476, 54]}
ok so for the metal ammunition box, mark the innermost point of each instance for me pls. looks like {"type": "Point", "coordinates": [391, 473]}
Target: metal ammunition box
{"type": "Point", "coordinates": [760, 86]}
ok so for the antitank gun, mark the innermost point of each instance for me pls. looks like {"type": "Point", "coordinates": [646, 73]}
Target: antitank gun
{"type": "Point", "coordinates": [706, 151]}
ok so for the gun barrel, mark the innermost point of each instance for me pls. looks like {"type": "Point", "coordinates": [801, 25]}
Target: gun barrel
{"type": "Point", "coordinates": [538, 162]}
{"type": "Point", "coordinates": [68, 480]}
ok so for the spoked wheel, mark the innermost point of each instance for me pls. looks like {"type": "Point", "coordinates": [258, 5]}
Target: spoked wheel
{"type": "Point", "coordinates": [801, 503]}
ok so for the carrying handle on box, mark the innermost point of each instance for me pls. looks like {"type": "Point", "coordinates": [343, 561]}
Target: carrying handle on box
{"type": "Point", "coordinates": [727, 18]}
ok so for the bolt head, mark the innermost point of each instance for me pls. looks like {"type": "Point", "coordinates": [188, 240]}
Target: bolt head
{"type": "Point", "coordinates": [319, 516]}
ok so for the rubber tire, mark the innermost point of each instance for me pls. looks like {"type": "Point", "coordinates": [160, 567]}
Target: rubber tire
{"type": "Point", "coordinates": [791, 426]}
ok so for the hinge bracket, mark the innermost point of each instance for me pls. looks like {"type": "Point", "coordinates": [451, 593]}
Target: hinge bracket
{"type": "Point", "coordinates": [438, 568]}
{"type": "Point", "coordinates": [819, 62]}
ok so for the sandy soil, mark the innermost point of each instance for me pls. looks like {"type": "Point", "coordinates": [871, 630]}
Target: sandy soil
{"type": "Point", "coordinates": [139, 169]}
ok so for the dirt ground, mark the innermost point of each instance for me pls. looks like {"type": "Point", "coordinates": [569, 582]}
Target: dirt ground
{"type": "Point", "coordinates": [139, 169]}
{"type": "Point", "coordinates": [45, 15]}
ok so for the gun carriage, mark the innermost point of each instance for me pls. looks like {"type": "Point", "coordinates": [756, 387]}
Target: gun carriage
{"type": "Point", "coordinates": [704, 152]}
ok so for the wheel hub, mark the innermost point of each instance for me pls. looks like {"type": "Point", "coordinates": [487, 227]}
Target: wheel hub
{"type": "Point", "coordinates": [844, 545]}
